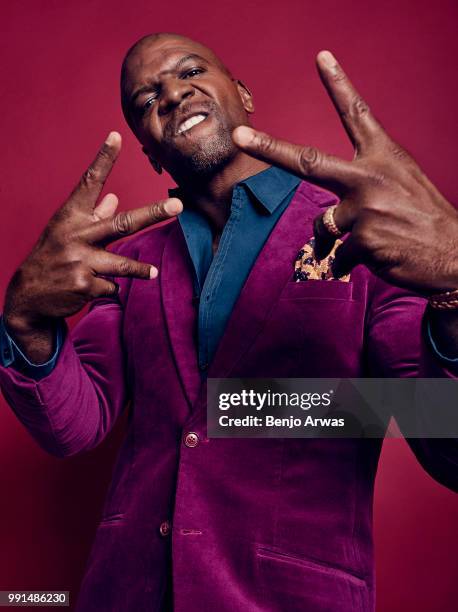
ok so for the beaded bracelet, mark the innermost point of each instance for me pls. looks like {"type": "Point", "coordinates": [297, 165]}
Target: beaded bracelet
{"type": "Point", "coordinates": [444, 301]}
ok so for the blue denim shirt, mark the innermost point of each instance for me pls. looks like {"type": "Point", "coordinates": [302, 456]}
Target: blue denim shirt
{"type": "Point", "coordinates": [257, 204]}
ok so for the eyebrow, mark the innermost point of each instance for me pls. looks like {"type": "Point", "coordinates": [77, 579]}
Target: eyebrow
{"type": "Point", "coordinates": [179, 63]}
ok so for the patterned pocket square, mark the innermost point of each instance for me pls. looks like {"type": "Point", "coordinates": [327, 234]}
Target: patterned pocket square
{"type": "Point", "coordinates": [306, 267]}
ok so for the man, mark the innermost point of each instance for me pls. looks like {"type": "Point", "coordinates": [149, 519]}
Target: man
{"type": "Point", "coordinates": [193, 523]}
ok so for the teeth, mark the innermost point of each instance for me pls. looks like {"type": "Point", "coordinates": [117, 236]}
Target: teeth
{"type": "Point", "coordinates": [189, 123]}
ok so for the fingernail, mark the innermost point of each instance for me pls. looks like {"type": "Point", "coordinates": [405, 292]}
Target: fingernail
{"type": "Point", "coordinates": [153, 272]}
{"type": "Point", "coordinates": [243, 135]}
{"type": "Point", "coordinates": [173, 206]}
{"type": "Point", "coordinates": [328, 60]}
{"type": "Point", "coordinates": [112, 138]}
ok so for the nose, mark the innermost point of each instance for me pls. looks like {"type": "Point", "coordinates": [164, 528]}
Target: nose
{"type": "Point", "coordinates": [174, 91]}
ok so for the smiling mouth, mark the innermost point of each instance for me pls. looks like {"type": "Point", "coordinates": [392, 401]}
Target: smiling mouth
{"type": "Point", "coordinates": [191, 122]}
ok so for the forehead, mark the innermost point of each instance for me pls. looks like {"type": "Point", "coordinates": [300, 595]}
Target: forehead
{"type": "Point", "coordinates": [154, 58]}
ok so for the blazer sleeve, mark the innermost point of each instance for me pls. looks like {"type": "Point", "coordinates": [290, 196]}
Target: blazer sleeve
{"type": "Point", "coordinates": [73, 408]}
{"type": "Point", "coordinates": [397, 346]}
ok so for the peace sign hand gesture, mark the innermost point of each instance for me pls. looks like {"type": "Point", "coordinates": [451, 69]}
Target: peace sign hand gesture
{"type": "Point", "coordinates": [66, 268]}
{"type": "Point", "coordinates": [399, 224]}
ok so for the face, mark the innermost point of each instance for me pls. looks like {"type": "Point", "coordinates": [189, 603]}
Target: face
{"type": "Point", "coordinates": [183, 105]}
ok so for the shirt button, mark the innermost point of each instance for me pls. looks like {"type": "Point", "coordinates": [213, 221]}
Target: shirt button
{"type": "Point", "coordinates": [164, 528]}
{"type": "Point", "coordinates": [191, 439]}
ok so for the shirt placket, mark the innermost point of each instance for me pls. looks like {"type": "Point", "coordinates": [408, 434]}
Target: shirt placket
{"type": "Point", "coordinates": [213, 281]}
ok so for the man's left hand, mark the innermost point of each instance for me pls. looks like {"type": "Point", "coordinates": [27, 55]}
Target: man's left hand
{"type": "Point", "coordinates": [400, 226]}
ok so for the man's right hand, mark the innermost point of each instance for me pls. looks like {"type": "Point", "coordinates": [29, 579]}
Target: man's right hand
{"type": "Point", "coordinates": [65, 269]}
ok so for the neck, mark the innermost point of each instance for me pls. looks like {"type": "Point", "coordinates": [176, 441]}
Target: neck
{"type": "Point", "coordinates": [213, 196]}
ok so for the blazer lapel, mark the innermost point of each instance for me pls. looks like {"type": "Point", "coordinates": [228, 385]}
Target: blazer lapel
{"type": "Point", "coordinates": [274, 267]}
{"type": "Point", "coordinates": [180, 311]}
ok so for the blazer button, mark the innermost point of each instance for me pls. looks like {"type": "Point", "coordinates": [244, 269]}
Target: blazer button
{"type": "Point", "coordinates": [164, 529]}
{"type": "Point", "coordinates": [191, 439]}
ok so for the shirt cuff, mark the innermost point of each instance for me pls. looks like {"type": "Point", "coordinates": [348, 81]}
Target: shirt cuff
{"type": "Point", "coordinates": [434, 346]}
{"type": "Point", "coordinates": [12, 356]}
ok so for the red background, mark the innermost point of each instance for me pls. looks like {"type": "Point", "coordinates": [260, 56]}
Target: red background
{"type": "Point", "coordinates": [59, 82]}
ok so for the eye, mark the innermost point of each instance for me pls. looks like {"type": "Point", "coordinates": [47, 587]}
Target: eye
{"type": "Point", "coordinates": [148, 103]}
{"type": "Point", "coordinates": [192, 73]}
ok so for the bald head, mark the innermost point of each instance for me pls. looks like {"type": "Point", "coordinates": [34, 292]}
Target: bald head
{"type": "Point", "coordinates": [163, 36]}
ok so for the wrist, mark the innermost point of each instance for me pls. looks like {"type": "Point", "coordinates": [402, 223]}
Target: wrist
{"type": "Point", "coordinates": [445, 278]}
{"type": "Point", "coordinates": [30, 333]}
{"type": "Point", "coordinates": [22, 325]}
{"type": "Point", "coordinates": [34, 343]}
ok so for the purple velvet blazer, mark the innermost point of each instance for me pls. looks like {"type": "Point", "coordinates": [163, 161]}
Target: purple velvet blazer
{"type": "Point", "coordinates": [246, 525]}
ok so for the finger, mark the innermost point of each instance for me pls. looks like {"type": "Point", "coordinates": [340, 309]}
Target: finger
{"type": "Point", "coordinates": [357, 119]}
{"type": "Point", "coordinates": [106, 208]}
{"type": "Point", "coordinates": [307, 162]}
{"type": "Point", "coordinates": [102, 287]}
{"type": "Point", "coordinates": [91, 183]}
{"type": "Point", "coordinates": [324, 241]}
{"type": "Point", "coordinates": [345, 216]}
{"type": "Point", "coordinates": [347, 255]}
{"type": "Point", "coordinates": [128, 222]}
{"type": "Point", "coordinates": [109, 264]}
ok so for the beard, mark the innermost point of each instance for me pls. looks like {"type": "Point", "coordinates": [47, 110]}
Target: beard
{"type": "Point", "coordinates": [208, 155]}
{"type": "Point", "coordinates": [211, 154]}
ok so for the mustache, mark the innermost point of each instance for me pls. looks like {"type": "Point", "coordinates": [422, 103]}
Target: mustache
{"type": "Point", "coordinates": [186, 109]}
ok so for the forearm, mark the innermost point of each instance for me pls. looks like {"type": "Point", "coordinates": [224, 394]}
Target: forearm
{"type": "Point", "coordinates": [438, 456]}
{"type": "Point", "coordinates": [73, 408]}
{"type": "Point", "coordinates": [61, 412]}
{"type": "Point", "coordinates": [398, 346]}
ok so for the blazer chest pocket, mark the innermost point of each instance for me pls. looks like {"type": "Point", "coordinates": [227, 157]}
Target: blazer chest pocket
{"type": "Point", "coordinates": [318, 290]}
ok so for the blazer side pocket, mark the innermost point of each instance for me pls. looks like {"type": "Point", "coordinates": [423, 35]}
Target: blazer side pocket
{"type": "Point", "coordinates": [295, 583]}
{"type": "Point", "coordinates": [311, 564]}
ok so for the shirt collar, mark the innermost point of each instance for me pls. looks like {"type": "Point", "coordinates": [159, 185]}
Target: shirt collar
{"type": "Point", "coordinates": [270, 187]}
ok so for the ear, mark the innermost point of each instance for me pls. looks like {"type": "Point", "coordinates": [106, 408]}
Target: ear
{"type": "Point", "coordinates": [156, 165]}
{"type": "Point", "coordinates": [246, 96]}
